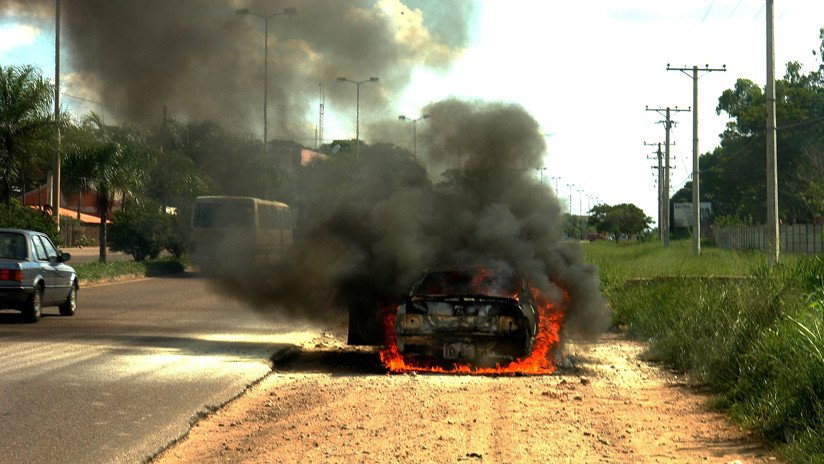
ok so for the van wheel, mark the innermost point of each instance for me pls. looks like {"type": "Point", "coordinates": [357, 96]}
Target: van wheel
{"type": "Point", "coordinates": [31, 312]}
{"type": "Point", "coordinates": [68, 307]}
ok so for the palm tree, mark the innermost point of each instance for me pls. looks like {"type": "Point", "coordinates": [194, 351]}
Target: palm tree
{"type": "Point", "coordinates": [105, 159]}
{"type": "Point", "coordinates": [25, 113]}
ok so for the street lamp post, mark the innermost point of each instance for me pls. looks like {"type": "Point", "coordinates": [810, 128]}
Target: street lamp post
{"type": "Point", "coordinates": [247, 12]}
{"type": "Point", "coordinates": [357, 108]}
{"type": "Point", "coordinates": [56, 194]}
{"type": "Point", "coordinates": [414, 132]}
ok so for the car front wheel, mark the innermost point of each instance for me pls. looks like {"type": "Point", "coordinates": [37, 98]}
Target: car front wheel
{"type": "Point", "coordinates": [68, 307]}
{"type": "Point", "coordinates": [31, 312]}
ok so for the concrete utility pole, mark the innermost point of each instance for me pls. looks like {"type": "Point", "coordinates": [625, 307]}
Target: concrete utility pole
{"type": "Point", "coordinates": [660, 168]}
{"type": "Point", "coordinates": [55, 200]}
{"type": "Point", "coordinates": [668, 123]}
{"type": "Point", "coordinates": [696, 195]}
{"type": "Point", "coordinates": [772, 232]}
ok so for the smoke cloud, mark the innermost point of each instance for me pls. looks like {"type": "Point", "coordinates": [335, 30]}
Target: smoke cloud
{"type": "Point", "coordinates": [371, 226]}
{"type": "Point", "coordinates": [205, 62]}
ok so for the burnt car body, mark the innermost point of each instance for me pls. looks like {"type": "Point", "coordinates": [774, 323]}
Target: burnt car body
{"type": "Point", "coordinates": [33, 274]}
{"type": "Point", "coordinates": [467, 317]}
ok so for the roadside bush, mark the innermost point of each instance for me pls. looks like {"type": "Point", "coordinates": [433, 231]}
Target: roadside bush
{"type": "Point", "coordinates": [143, 231]}
{"type": "Point", "coordinates": [17, 216]}
{"type": "Point", "coordinates": [755, 339]}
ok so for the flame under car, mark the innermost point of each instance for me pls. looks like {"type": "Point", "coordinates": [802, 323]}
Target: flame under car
{"type": "Point", "coordinates": [466, 317]}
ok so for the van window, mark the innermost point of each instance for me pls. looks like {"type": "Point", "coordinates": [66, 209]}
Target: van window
{"type": "Point", "coordinates": [224, 215]}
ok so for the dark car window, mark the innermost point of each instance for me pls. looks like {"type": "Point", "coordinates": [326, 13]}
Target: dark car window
{"type": "Point", "coordinates": [454, 283]}
{"type": "Point", "coordinates": [51, 251]}
{"type": "Point", "coordinates": [12, 246]}
{"type": "Point", "coordinates": [39, 249]}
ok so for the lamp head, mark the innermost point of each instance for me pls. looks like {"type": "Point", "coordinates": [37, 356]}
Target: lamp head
{"type": "Point", "coordinates": [290, 11]}
{"type": "Point", "coordinates": [402, 117]}
{"type": "Point", "coordinates": [342, 79]}
{"type": "Point", "coordinates": [242, 11]}
{"type": "Point", "coordinates": [373, 79]}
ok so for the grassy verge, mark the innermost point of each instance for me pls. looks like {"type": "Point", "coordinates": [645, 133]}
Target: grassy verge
{"type": "Point", "coordinates": [751, 333]}
{"type": "Point", "coordinates": [97, 271]}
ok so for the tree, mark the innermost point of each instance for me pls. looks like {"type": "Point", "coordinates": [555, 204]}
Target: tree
{"type": "Point", "coordinates": [105, 159]}
{"type": "Point", "coordinates": [25, 103]}
{"type": "Point", "coordinates": [732, 175]}
{"type": "Point", "coordinates": [625, 218]}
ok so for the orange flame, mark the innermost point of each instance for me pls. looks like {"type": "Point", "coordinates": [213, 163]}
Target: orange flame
{"type": "Point", "coordinates": [539, 362]}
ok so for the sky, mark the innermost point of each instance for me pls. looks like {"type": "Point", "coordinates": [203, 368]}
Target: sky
{"type": "Point", "coordinates": [585, 71]}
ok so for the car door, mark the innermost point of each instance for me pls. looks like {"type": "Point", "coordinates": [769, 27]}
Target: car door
{"type": "Point", "coordinates": [55, 276]}
{"type": "Point", "coordinates": [60, 273]}
{"type": "Point", "coordinates": [44, 268]}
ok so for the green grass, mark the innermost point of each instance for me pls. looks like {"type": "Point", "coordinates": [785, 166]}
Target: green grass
{"type": "Point", "coordinates": [754, 334]}
{"type": "Point", "coordinates": [97, 271]}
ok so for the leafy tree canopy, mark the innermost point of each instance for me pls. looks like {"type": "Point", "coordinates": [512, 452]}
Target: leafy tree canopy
{"type": "Point", "coordinates": [625, 218]}
{"type": "Point", "coordinates": [733, 176]}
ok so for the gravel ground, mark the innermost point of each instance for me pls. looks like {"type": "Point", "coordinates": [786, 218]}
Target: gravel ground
{"type": "Point", "coordinates": [333, 403]}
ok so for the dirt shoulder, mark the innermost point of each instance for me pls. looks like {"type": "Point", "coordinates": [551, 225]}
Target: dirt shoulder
{"type": "Point", "coordinates": [332, 403]}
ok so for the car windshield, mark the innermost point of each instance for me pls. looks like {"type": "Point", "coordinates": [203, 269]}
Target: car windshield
{"type": "Point", "coordinates": [458, 283]}
{"type": "Point", "coordinates": [12, 245]}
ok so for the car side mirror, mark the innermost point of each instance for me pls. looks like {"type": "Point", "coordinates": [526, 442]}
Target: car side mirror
{"type": "Point", "coordinates": [64, 257]}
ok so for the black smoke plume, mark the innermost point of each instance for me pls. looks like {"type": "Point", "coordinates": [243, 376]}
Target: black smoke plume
{"type": "Point", "coordinates": [370, 226]}
{"type": "Point", "coordinates": [205, 62]}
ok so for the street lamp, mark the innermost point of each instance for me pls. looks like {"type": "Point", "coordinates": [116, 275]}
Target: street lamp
{"type": "Point", "coordinates": [357, 108]}
{"type": "Point", "coordinates": [556, 179]}
{"type": "Point", "coordinates": [414, 132]}
{"type": "Point", "coordinates": [248, 12]}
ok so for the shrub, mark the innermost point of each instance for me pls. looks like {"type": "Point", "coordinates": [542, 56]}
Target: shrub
{"type": "Point", "coordinates": [143, 231]}
{"type": "Point", "coordinates": [16, 216]}
{"type": "Point", "coordinates": [758, 341]}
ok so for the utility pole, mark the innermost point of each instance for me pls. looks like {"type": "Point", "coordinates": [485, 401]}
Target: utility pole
{"type": "Point", "coordinates": [696, 195]}
{"type": "Point", "coordinates": [581, 212]}
{"type": "Point", "coordinates": [661, 199]}
{"type": "Point", "coordinates": [668, 123]}
{"type": "Point", "coordinates": [772, 232]}
{"type": "Point", "coordinates": [321, 111]}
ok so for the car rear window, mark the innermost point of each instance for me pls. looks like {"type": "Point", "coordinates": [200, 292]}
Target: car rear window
{"type": "Point", "coordinates": [456, 283]}
{"type": "Point", "coordinates": [12, 245]}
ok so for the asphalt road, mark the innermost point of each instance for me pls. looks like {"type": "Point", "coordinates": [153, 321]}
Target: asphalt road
{"type": "Point", "coordinates": [127, 374]}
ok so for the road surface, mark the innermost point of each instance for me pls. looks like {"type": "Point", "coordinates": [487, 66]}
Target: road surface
{"type": "Point", "coordinates": [127, 374]}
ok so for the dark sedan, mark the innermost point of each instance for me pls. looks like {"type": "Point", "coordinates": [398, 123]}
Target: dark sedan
{"type": "Point", "coordinates": [472, 317]}
{"type": "Point", "coordinates": [33, 274]}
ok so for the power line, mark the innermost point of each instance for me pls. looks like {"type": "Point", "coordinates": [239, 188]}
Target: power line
{"type": "Point", "coordinates": [709, 8]}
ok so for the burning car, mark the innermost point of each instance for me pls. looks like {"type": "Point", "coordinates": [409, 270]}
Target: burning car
{"type": "Point", "coordinates": [475, 317]}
